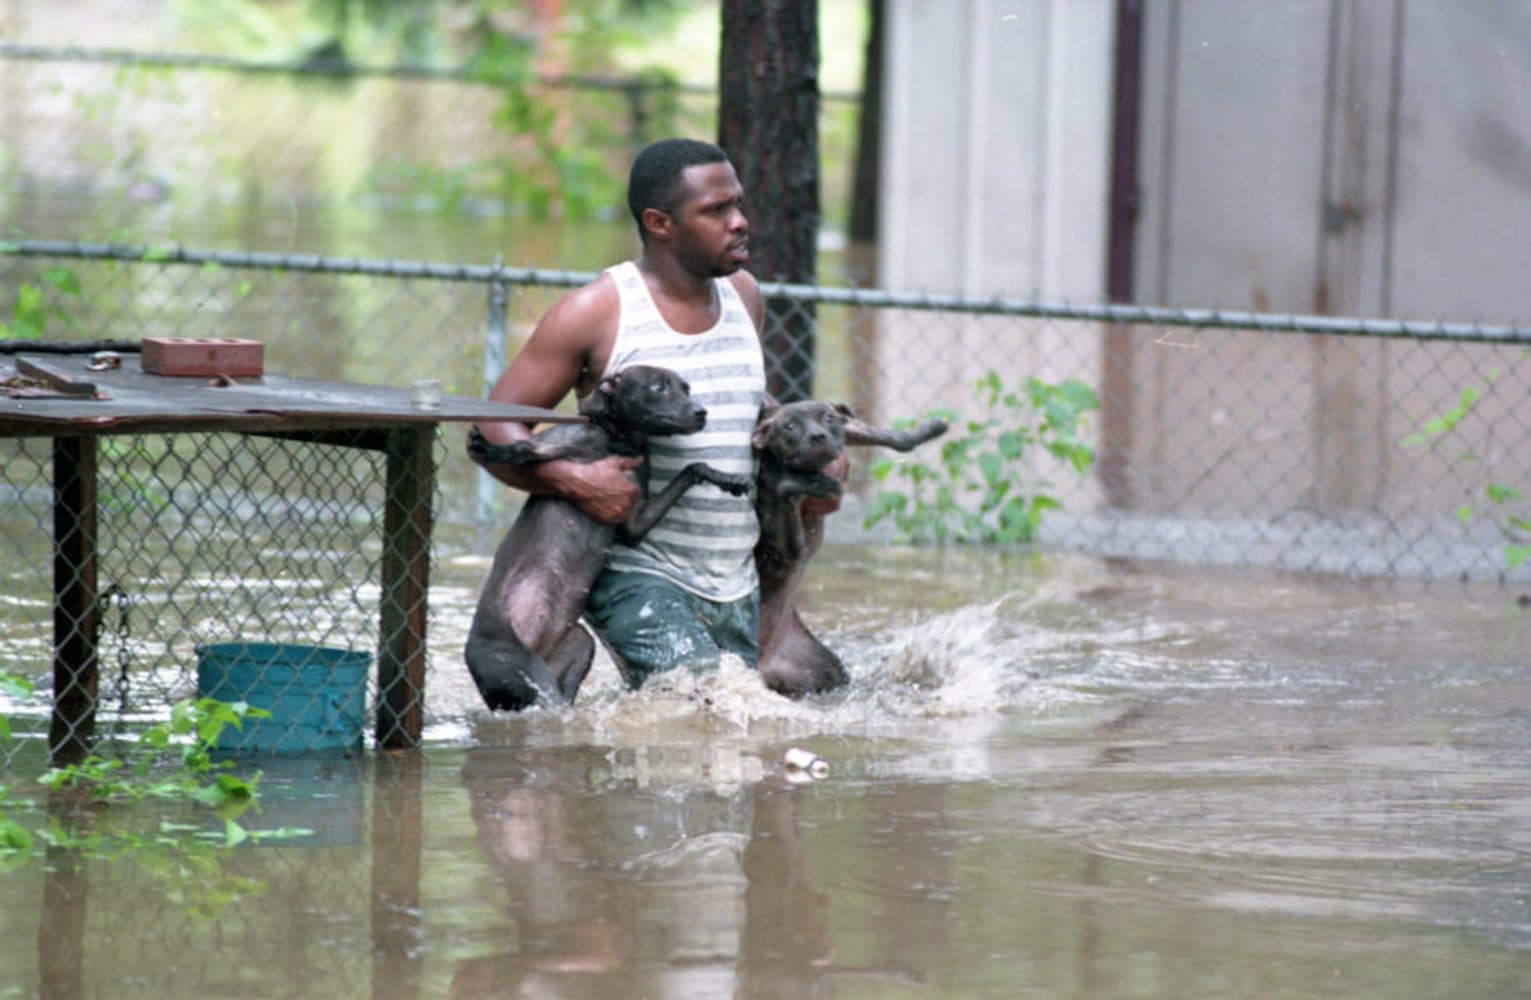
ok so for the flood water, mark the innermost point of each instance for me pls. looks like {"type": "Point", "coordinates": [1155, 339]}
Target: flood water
{"type": "Point", "coordinates": [1051, 777]}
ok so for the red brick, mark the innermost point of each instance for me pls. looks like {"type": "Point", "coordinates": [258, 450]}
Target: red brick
{"type": "Point", "coordinates": [203, 356]}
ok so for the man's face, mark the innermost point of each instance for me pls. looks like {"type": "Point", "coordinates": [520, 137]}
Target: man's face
{"type": "Point", "coordinates": [712, 233]}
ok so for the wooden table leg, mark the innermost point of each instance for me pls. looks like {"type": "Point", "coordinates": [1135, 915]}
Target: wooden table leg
{"type": "Point", "coordinates": [76, 610]}
{"type": "Point", "coordinates": [406, 578]}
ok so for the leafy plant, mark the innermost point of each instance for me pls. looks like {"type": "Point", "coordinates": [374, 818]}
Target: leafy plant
{"type": "Point", "coordinates": [13, 836]}
{"type": "Point", "coordinates": [1515, 527]}
{"type": "Point", "coordinates": [565, 137]}
{"type": "Point", "coordinates": [188, 740]}
{"type": "Point", "coordinates": [16, 687]}
{"type": "Point", "coordinates": [558, 161]}
{"type": "Point", "coordinates": [976, 492]}
{"type": "Point", "coordinates": [191, 734]}
{"type": "Point", "coordinates": [30, 314]}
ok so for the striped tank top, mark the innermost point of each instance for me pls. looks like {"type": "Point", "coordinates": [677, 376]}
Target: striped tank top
{"type": "Point", "coordinates": [706, 542]}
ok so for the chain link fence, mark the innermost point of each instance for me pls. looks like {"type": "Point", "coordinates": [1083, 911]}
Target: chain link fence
{"type": "Point", "coordinates": [1363, 448]}
{"type": "Point", "coordinates": [1228, 438]}
{"type": "Point", "coordinates": [206, 549]}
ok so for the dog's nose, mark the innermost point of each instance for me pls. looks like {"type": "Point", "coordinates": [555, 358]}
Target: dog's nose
{"type": "Point", "coordinates": [699, 411]}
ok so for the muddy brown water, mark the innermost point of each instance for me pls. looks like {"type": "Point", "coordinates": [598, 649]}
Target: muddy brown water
{"type": "Point", "coordinates": [1051, 777]}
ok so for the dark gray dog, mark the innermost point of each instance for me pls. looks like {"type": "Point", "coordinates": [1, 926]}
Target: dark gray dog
{"type": "Point", "coordinates": [525, 644]}
{"type": "Point", "coordinates": [795, 442]}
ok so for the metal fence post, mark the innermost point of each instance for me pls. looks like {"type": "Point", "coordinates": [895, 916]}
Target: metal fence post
{"type": "Point", "coordinates": [495, 332]}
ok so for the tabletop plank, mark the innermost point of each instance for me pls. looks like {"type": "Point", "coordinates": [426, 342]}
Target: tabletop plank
{"type": "Point", "coordinates": [128, 399]}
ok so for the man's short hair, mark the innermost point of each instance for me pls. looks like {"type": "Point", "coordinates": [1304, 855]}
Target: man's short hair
{"type": "Point", "coordinates": [657, 178]}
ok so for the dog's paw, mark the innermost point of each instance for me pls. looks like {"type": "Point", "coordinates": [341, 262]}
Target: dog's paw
{"type": "Point", "coordinates": [478, 445]}
{"type": "Point", "coordinates": [485, 452]}
{"type": "Point", "coordinates": [734, 485]}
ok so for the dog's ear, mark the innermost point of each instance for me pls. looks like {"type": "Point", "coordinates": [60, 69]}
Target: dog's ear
{"type": "Point", "coordinates": [763, 426]}
{"type": "Point", "coordinates": [598, 403]}
{"type": "Point", "coordinates": [845, 411]}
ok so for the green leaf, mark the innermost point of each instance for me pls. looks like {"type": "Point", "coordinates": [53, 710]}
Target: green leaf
{"type": "Point", "coordinates": [14, 837]}
{"type": "Point", "coordinates": [1080, 395]}
{"type": "Point", "coordinates": [989, 383]}
{"type": "Point", "coordinates": [991, 468]}
{"type": "Point", "coordinates": [15, 687]}
{"type": "Point", "coordinates": [1012, 444]}
{"type": "Point", "coordinates": [1499, 493]}
{"type": "Point", "coordinates": [887, 504]}
{"type": "Point", "coordinates": [65, 280]}
{"type": "Point", "coordinates": [235, 788]}
{"type": "Point", "coordinates": [1060, 416]}
{"type": "Point", "coordinates": [1016, 521]}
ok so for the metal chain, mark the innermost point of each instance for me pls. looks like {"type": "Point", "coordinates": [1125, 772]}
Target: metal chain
{"type": "Point", "coordinates": [124, 633]}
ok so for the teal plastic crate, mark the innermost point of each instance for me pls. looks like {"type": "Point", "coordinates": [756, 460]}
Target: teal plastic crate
{"type": "Point", "coordinates": [317, 695]}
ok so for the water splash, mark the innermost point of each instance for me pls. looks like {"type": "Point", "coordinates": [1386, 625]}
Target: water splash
{"type": "Point", "coordinates": [957, 663]}
{"type": "Point", "coordinates": [968, 663]}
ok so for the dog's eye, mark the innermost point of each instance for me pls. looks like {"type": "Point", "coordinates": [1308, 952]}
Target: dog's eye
{"type": "Point", "coordinates": [658, 387]}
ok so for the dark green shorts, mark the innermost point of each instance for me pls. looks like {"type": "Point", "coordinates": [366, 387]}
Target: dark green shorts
{"type": "Point", "coordinates": [651, 625]}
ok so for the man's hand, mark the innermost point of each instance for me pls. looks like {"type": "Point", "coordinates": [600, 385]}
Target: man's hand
{"type": "Point", "coordinates": [606, 491]}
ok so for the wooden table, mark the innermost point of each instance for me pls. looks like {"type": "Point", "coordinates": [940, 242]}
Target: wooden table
{"type": "Point", "coordinates": [62, 397]}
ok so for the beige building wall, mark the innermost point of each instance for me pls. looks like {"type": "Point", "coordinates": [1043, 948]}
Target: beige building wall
{"type": "Point", "coordinates": [1338, 157]}
{"type": "Point", "coordinates": [997, 139]}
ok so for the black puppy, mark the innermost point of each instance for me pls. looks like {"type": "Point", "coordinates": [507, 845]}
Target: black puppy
{"type": "Point", "coordinates": [525, 644]}
{"type": "Point", "coordinates": [795, 442]}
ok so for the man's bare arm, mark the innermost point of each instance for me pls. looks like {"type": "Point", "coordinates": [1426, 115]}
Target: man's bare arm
{"type": "Point", "coordinates": [568, 342]}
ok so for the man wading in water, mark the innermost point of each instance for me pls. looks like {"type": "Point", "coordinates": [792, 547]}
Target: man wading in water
{"type": "Point", "coordinates": [688, 592]}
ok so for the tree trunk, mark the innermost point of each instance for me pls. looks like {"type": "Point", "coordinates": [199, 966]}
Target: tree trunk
{"type": "Point", "coordinates": [861, 252]}
{"type": "Point", "coordinates": [867, 180]}
{"type": "Point", "coordinates": [768, 121]}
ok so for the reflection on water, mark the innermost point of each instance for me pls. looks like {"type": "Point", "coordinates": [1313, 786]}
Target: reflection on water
{"type": "Point", "coordinates": [1050, 777]}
